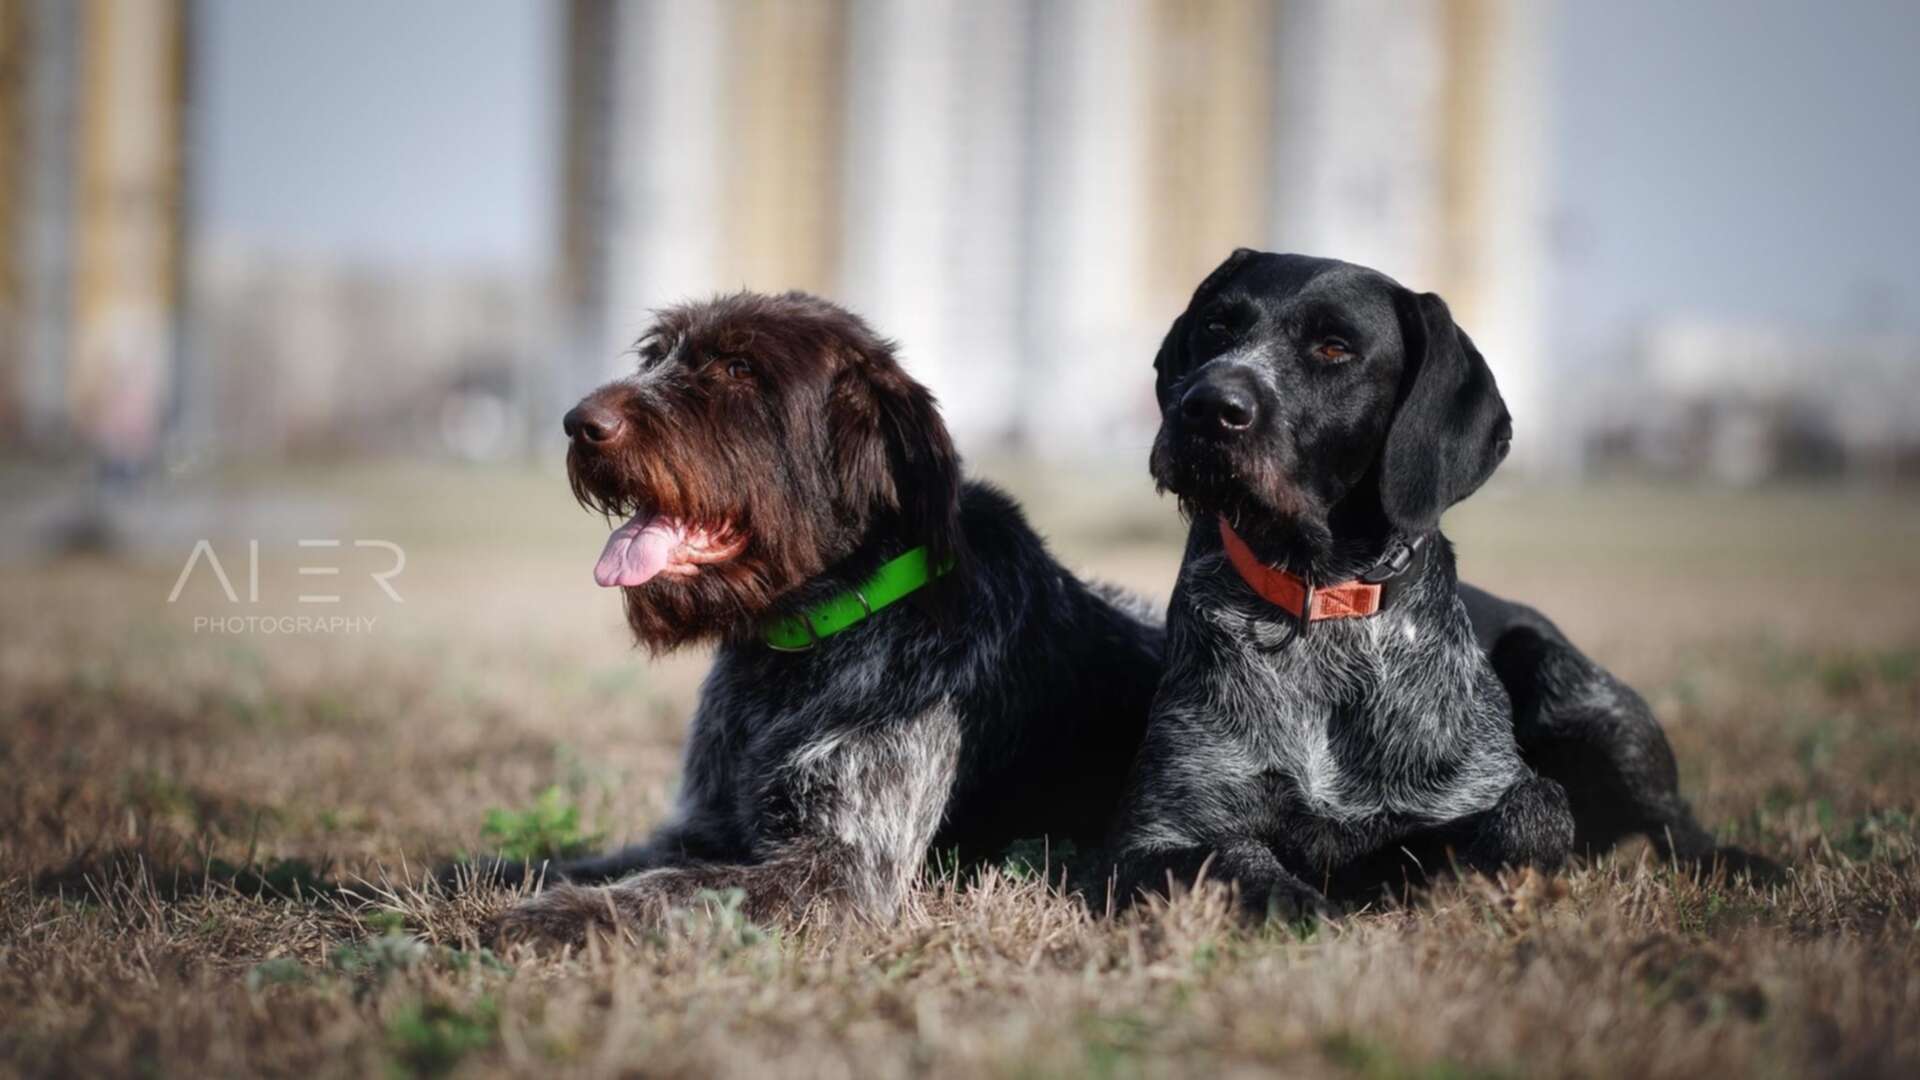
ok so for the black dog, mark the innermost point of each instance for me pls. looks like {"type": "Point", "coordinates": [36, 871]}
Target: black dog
{"type": "Point", "coordinates": [1327, 711]}
{"type": "Point", "coordinates": [901, 664]}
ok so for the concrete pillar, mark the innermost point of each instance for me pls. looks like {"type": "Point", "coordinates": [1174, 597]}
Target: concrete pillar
{"type": "Point", "coordinates": [933, 197]}
{"type": "Point", "coordinates": [588, 240]}
{"type": "Point", "coordinates": [781, 179]}
{"type": "Point", "coordinates": [39, 101]}
{"type": "Point", "coordinates": [671, 139]}
{"type": "Point", "coordinates": [127, 272]}
{"type": "Point", "coordinates": [1090, 324]}
{"type": "Point", "coordinates": [1210, 132]}
{"type": "Point", "coordinates": [1494, 242]}
{"type": "Point", "coordinates": [1357, 168]}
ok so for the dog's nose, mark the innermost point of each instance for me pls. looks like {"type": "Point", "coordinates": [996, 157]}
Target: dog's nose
{"type": "Point", "coordinates": [592, 423]}
{"type": "Point", "coordinates": [1219, 405]}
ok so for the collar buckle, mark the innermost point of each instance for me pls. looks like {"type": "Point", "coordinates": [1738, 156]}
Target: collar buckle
{"type": "Point", "coordinates": [1396, 560]}
{"type": "Point", "coordinates": [893, 581]}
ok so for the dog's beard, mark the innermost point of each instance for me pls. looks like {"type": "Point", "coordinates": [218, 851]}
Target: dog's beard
{"type": "Point", "coordinates": [718, 605]}
{"type": "Point", "coordinates": [597, 484]}
{"type": "Point", "coordinates": [686, 573]}
{"type": "Point", "coordinates": [697, 562]}
{"type": "Point", "coordinates": [1255, 495]}
{"type": "Point", "coordinates": [677, 593]}
{"type": "Point", "coordinates": [1211, 480]}
{"type": "Point", "coordinates": [657, 540]}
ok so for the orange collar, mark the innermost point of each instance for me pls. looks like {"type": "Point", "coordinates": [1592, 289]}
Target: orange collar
{"type": "Point", "coordinates": [1292, 594]}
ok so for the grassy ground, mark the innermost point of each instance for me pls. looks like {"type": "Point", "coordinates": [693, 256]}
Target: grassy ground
{"type": "Point", "coordinates": [206, 839]}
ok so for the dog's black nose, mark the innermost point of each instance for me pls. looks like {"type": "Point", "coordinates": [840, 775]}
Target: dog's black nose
{"type": "Point", "coordinates": [592, 423]}
{"type": "Point", "coordinates": [1219, 404]}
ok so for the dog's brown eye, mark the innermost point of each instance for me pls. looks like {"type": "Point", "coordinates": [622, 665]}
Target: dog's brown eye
{"type": "Point", "coordinates": [739, 369]}
{"type": "Point", "coordinates": [1217, 328]}
{"type": "Point", "coordinates": [1332, 349]}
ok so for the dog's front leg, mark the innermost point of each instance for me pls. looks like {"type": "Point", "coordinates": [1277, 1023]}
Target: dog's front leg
{"type": "Point", "coordinates": [798, 879]}
{"type": "Point", "coordinates": [860, 809]}
{"type": "Point", "coordinates": [1264, 887]}
{"type": "Point", "coordinates": [1268, 890]}
{"type": "Point", "coordinates": [694, 838]}
{"type": "Point", "coordinates": [1531, 825]}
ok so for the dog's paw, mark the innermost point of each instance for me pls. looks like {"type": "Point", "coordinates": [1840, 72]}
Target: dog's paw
{"type": "Point", "coordinates": [1756, 868]}
{"type": "Point", "coordinates": [1287, 901]}
{"type": "Point", "coordinates": [566, 915]}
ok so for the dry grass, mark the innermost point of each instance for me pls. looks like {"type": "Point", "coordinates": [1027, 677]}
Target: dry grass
{"type": "Point", "coordinates": [206, 842]}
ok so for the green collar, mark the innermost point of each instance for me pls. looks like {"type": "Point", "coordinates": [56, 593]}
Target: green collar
{"type": "Point", "coordinates": [894, 581]}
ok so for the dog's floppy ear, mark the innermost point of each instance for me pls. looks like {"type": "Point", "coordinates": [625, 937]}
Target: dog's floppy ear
{"type": "Point", "coordinates": [893, 450]}
{"type": "Point", "coordinates": [1166, 363]}
{"type": "Point", "coordinates": [1451, 428]}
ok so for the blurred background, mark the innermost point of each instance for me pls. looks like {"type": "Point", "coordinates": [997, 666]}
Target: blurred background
{"type": "Point", "coordinates": [268, 229]}
{"type": "Point", "coordinates": [273, 270]}
{"type": "Point", "coordinates": [293, 294]}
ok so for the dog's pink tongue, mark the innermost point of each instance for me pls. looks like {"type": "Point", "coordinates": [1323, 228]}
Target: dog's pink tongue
{"type": "Point", "coordinates": [636, 551]}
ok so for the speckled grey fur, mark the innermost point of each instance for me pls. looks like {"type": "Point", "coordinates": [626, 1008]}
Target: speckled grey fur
{"type": "Point", "coordinates": [819, 781]}
{"type": "Point", "coordinates": [1364, 734]}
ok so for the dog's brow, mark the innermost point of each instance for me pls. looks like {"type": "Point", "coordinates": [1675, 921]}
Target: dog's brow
{"type": "Point", "coordinates": [738, 339]}
{"type": "Point", "coordinates": [1332, 322]}
{"type": "Point", "coordinates": [652, 346]}
{"type": "Point", "coordinates": [1322, 317]}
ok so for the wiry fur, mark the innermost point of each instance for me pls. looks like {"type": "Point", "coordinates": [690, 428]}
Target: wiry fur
{"type": "Point", "coordinates": [1306, 756]}
{"type": "Point", "coordinates": [1001, 702]}
{"type": "Point", "coordinates": [1455, 726]}
{"type": "Point", "coordinates": [1593, 734]}
{"type": "Point", "coordinates": [823, 451]}
{"type": "Point", "coordinates": [1329, 415]}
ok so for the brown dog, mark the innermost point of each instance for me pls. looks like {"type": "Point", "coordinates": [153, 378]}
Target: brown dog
{"type": "Point", "coordinates": [776, 470]}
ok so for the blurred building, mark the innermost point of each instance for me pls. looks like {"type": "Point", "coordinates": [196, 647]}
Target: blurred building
{"type": "Point", "coordinates": [1743, 403]}
{"type": "Point", "coordinates": [1022, 192]}
{"type": "Point", "coordinates": [92, 220]}
{"type": "Point", "coordinates": [1025, 194]}
{"type": "Point", "coordinates": [324, 356]}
